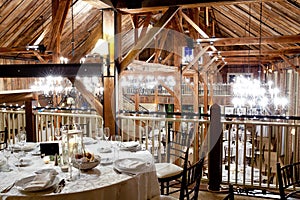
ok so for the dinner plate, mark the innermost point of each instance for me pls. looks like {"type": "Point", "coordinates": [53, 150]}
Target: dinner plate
{"type": "Point", "coordinates": [2, 161]}
{"type": "Point", "coordinates": [89, 140]}
{"type": "Point", "coordinates": [132, 165]}
{"type": "Point", "coordinates": [23, 183]}
{"type": "Point", "coordinates": [46, 170]}
{"type": "Point", "coordinates": [27, 147]}
{"type": "Point", "coordinates": [104, 150]}
{"type": "Point", "coordinates": [24, 163]}
{"type": "Point", "coordinates": [106, 161]}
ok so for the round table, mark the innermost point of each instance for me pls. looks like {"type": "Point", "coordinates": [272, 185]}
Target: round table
{"type": "Point", "coordinates": [100, 183]}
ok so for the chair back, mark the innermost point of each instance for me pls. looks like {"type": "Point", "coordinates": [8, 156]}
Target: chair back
{"type": "Point", "coordinates": [176, 147]}
{"type": "Point", "coordinates": [191, 179]}
{"type": "Point", "coordinates": [3, 139]}
{"type": "Point", "coordinates": [288, 175]}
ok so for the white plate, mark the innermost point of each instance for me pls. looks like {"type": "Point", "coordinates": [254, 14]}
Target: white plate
{"type": "Point", "coordinates": [24, 163]}
{"type": "Point", "coordinates": [106, 161]}
{"type": "Point", "coordinates": [27, 147]}
{"type": "Point", "coordinates": [104, 150]}
{"type": "Point", "coordinates": [132, 165]}
{"type": "Point", "coordinates": [2, 161]}
{"type": "Point", "coordinates": [23, 183]}
{"type": "Point", "coordinates": [89, 140]}
{"type": "Point", "coordinates": [46, 170]}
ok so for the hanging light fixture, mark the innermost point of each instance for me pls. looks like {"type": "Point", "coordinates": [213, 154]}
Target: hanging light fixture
{"type": "Point", "coordinates": [255, 96]}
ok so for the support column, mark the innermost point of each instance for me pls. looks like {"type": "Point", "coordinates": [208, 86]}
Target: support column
{"type": "Point", "coordinates": [214, 148]}
{"type": "Point", "coordinates": [30, 131]}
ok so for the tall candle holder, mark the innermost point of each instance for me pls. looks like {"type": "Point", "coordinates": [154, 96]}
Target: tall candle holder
{"type": "Point", "coordinates": [71, 144]}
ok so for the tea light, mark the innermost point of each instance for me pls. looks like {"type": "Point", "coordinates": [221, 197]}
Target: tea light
{"type": "Point", "coordinates": [46, 159]}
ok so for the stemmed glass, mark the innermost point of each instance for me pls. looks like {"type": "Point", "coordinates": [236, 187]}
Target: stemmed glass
{"type": "Point", "coordinates": [106, 133]}
{"type": "Point", "coordinates": [22, 140]}
{"type": "Point", "coordinates": [57, 134]}
{"type": "Point", "coordinates": [99, 134]}
{"type": "Point", "coordinates": [7, 153]}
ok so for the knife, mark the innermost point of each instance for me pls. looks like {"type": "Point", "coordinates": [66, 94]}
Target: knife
{"type": "Point", "coordinates": [60, 186]}
{"type": "Point", "coordinates": [7, 189]}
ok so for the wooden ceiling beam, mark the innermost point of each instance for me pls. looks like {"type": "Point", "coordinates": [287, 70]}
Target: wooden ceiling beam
{"type": "Point", "coordinates": [143, 42]}
{"type": "Point", "coordinates": [288, 62]}
{"type": "Point", "coordinates": [234, 53]}
{"type": "Point", "coordinates": [59, 15]}
{"type": "Point", "coordinates": [251, 40]}
{"type": "Point", "coordinates": [158, 5]}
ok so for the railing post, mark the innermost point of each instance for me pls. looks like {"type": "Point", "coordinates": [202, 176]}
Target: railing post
{"type": "Point", "coordinates": [214, 149]}
{"type": "Point", "coordinates": [30, 131]}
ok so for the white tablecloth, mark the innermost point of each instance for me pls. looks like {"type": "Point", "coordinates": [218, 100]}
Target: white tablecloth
{"type": "Point", "coordinates": [100, 183]}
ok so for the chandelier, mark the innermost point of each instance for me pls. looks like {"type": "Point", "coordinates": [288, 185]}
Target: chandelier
{"type": "Point", "coordinates": [258, 98]}
{"type": "Point", "coordinates": [141, 82]}
{"type": "Point", "coordinates": [63, 88]}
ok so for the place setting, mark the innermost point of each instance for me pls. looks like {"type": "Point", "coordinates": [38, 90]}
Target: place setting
{"type": "Point", "coordinates": [132, 146]}
{"type": "Point", "coordinates": [130, 166]}
{"type": "Point", "coordinates": [42, 181]}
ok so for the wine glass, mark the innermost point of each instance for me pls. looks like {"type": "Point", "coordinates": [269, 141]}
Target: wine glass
{"type": "Point", "coordinates": [57, 134]}
{"type": "Point", "coordinates": [6, 153]}
{"type": "Point", "coordinates": [99, 134]}
{"type": "Point", "coordinates": [106, 133]}
{"type": "Point", "coordinates": [22, 139]}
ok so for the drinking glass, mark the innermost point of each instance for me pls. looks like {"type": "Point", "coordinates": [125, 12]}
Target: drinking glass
{"type": "Point", "coordinates": [106, 133]}
{"type": "Point", "coordinates": [116, 146]}
{"type": "Point", "coordinates": [22, 139]}
{"type": "Point", "coordinates": [57, 134]}
{"type": "Point", "coordinates": [6, 153]}
{"type": "Point", "coordinates": [99, 134]}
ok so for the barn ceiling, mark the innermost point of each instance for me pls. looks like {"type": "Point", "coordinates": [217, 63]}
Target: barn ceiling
{"type": "Point", "coordinates": [242, 31]}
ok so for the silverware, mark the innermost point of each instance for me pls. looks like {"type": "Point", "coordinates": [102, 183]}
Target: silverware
{"type": "Point", "coordinates": [119, 172]}
{"type": "Point", "coordinates": [60, 186]}
{"type": "Point", "coordinates": [8, 188]}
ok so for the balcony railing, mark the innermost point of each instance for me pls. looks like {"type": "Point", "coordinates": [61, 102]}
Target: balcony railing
{"type": "Point", "coordinates": [250, 148]}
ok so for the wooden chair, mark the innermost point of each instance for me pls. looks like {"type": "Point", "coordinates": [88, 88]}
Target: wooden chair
{"type": "Point", "coordinates": [190, 184]}
{"type": "Point", "coordinates": [288, 177]}
{"type": "Point", "coordinates": [170, 171]}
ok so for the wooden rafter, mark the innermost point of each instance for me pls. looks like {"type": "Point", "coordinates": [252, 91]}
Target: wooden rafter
{"type": "Point", "coordinates": [148, 38]}
{"type": "Point", "coordinates": [59, 14]}
{"type": "Point", "coordinates": [196, 58]}
{"type": "Point", "coordinates": [252, 40]}
{"type": "Point", "coordinates": [288, 62]}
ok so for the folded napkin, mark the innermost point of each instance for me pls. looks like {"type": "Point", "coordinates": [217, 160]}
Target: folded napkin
{"type": "Point", "coordinates": [131, 164]}
{"type": "Point", "coordinates": [40, 181]}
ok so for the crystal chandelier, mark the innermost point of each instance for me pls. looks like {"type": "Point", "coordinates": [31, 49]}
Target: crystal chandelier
{"type": "Point", "coordinates": [258, 98]}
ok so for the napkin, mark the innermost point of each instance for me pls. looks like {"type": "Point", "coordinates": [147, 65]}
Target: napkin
{"type": "Point", "coordinates": [131, 164]}
{"type": "Point", "coordinates": [40, 181]}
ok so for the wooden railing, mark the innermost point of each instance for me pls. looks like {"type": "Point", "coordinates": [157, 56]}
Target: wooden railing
{"type": "Point", "coordinates": [47, 122]}
{"type": "Point", "coordinates": [252, 165]}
